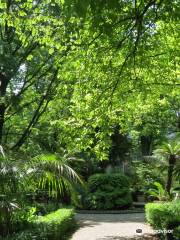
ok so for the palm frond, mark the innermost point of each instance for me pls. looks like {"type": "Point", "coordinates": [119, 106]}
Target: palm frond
{"type": "Point", "coordinates": [167, 149]}
{"type": "Point", "coordinates": [54, 174]}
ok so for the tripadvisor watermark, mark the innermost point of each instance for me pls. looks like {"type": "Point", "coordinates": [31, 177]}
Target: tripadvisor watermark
{"type": "Point", "coordinates": [163, 231]}
{"type": "Point", "coordinates": [157, 231]}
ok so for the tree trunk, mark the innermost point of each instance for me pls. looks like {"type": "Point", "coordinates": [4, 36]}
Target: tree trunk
{"type": "Point", "coordinates": [146, 145]}
{"type": "Point", "coordinates": [2, 112]}
{"type": "Point", "coordinates": [172, 161]}
{"type": "Point", "coordinates": [3, 86]}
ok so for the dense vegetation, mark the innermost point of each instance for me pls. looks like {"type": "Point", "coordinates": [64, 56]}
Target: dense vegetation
{"type": "Point", "coordinates": [87, 87]}
{"type": "Point", "coordinates": [64, 58]}
{"type": "Point", "coordinates": [108, 191]}
{"type": "Point", "coordinates": [165, 216]}
{"type": "Point", "coordinates": [55, 225]}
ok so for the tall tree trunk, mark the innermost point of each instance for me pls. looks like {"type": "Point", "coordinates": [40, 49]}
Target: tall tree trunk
{"type": "Point", "coordinates": [3, 86]}
{"type": "Point", "coordinates": [172, 162]}
{"type": "Point", "coordinates": [2, 112]}
{"type": "Point", "coordinates": [146, 145]}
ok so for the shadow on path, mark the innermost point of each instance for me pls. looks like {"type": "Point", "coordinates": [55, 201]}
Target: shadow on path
{"type": "Point", "coordinates": [112, 227]}
{"type": "Point", "coordinates": [123, 218]}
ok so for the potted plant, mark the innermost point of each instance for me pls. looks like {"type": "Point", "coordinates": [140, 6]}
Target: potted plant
{"type": "Point", "coordinates": [140, 196]}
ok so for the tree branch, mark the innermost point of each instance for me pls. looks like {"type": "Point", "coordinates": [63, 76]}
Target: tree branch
{"type": "Point", "coordinates": [36, 115]}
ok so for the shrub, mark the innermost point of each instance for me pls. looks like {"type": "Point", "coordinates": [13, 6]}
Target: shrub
{"type": "Point", "coordinates": [52, 226]}
{"type": "Point", "coordinates": [55, 225]}
{"type": "Point", "coordinates": [25, 235]}
{"type": "Point", "coordinates": [22, 217]}
{"type": "Point", "coordinates": [108, 191]}
{"type": "Point", "coordinates": [164, 216]}
{"type": "Point", "coordinates": [18, 218]}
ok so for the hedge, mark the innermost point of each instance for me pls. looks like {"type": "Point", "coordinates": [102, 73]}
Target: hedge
{"type": "Point", "coordinates": [108, 191]}
{"type": "Point", "coordinates": [53, 226]}
{"type": "Point", "coordinates": [165, 216]}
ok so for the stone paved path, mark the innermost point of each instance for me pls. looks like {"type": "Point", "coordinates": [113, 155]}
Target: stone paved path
{"type": "Point", "coordinates": [112, 227]}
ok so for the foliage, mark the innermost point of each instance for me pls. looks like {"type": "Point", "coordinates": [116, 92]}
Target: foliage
{"type": "Point", "coordinates": [108, 191]}
{"type": "Point", "coordinates": [12, 192]}
{"type": "Point", "coordinates": [26, 235]}
{"type": "Point", "coordinates": [52, 226]}
{"type": "Point", "coordinates": [158, 192]}
{"type": "Point", "coordinates": [21, 218]}
{"type": "Point", "coordinates": [77, 69]}
{"type": "Point", "coordinates": [71, 72]}
{"type": "Point", "coordinates": [21, 179]}
{"type": "Point", "coordinates": [144, 174]}
{"type": "Point", "coordinates": [163, 215]}
{"type": "Point", "coordinates": [45, 208]}
{"type": "Point", "coordinates": [177, 233]}
{"type": "Point", "coordinates": [54, 174]}
{"type": "Point", "coordinates": [171, 153]}
{"type": "Point", "coordinates": [55, 225]}
{"type": "Point", "coordinates": [35, 38]}
{"type": "Point", "coordinates": [153, 169]}
{"type": "Point", "coordinates": [15, 218]}
{"type": "Point", "coordinates": [122, 79]}
{"type": "Point", "coordinates": [167, 149]}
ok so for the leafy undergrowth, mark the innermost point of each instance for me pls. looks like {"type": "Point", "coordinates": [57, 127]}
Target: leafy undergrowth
{"type": "Point", "coordinates": [56, 225]}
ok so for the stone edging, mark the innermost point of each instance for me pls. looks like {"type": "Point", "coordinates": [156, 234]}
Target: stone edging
{"type": "Point", "coordinates": [110, 211]}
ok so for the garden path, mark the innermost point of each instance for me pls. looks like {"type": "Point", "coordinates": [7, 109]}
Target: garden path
{"type": "Point", "coordinates": [112, 227]}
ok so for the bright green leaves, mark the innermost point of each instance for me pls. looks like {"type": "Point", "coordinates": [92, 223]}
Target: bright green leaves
{"type": "Point", "coordinates": [51, 51]}
{"type": "Point", "coordinates": [30, 57]}
{"type": "Point", "coordinates": [3, 5]}
{"type": "Point", "coordinates": [108, 75]}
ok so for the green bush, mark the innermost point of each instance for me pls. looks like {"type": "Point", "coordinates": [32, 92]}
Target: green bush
{"type": "Point", "coordinates": [25, 235]}
{"type": "Point", "coordinates": [176, 233]}
{"type": "Point", "coordinates": [108, 191]}
{"type": "Point", "coordinates": [21, 218]}
{"type": "Point", "coordinates": [53, 226]}
{"type": "Point", "coordinates": [56, 224]}
{"type": "Point", "coordinates": [164, 216]}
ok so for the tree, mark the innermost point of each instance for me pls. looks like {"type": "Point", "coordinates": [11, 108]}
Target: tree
{"type": "Point", "coordinates": [94, 65]}
{"type": "Point", "coordinates": [171, 152]}
{"type": "Point", "coordinates": [123, 77]}
{"type": "Point", "coordinates": [35, 37]}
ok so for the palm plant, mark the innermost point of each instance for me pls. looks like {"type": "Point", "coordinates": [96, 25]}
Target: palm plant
{"type": "Point", "coordinates": [17, 178]}
{"type": "Point", "coordinates": [10, 189]}
{"type": "Point", "coordinates": [169, 152]}
{"type": "Point", "coordinates": [53, 173]}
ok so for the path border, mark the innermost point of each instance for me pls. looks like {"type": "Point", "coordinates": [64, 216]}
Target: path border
{"type": "Point", "coordinates": [110, 211]}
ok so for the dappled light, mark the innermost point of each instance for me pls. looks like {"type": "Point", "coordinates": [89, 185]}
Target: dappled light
{"type": "Point", "coordinates": [89, 120]}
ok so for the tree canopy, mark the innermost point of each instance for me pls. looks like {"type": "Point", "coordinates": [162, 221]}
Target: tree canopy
{"type": "Point", "coordinates": [77, 69]}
